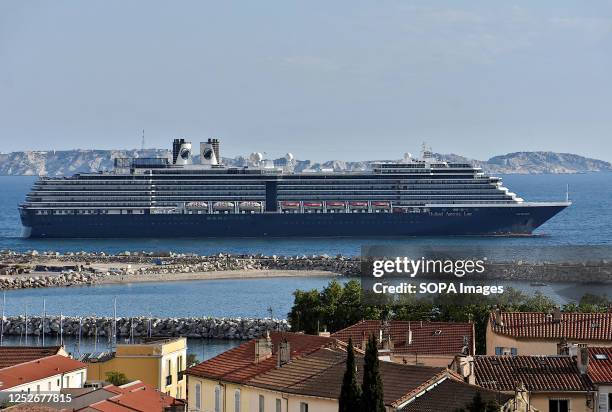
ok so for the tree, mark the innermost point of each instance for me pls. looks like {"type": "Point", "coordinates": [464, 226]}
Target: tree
{"type": "Point", "coordinates": [116, 378]}
{"type": "Point", "coordinates": [192, 360]}
{"type": "Point", "coordinates": [350, 392]}
{"type": "Point", "coordinates": [372, 387]}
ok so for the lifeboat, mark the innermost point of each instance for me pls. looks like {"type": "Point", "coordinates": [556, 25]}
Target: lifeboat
{"type": "Point", "coordinates": [380, 205]}
{"type": "Point", "coordinates": [290, 205]}
{"type": "Point", "coordinates": [250, 206]}
{"type": "Point", "coordinates": [196, 205]}
{"type": "Point", "coordinates": [223, 206]}
{"type": "Point", "coordinates": [313, 205]}
{"type": "Point", "coordinates": [335, 205]}
{"type": "Point", "coordinates": [358, 205]}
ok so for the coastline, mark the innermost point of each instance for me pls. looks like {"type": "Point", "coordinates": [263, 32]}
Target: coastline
{"type": "Point", "coordinates": [214, 275]}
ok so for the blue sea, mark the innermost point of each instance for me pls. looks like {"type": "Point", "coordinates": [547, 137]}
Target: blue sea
{"type": "Point", "coordinates": [587, 221]}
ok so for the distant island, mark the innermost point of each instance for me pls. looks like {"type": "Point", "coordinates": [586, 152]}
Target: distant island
{"type": "Point", "coordinates": [68, 162]}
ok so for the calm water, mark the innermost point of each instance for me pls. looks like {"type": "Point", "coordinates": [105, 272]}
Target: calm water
{"type": "Point", "coordinates": [587, 221]}
{"type": "Point", "coordinates": [220, 298]}
{"type": "Point", "coordinates": [202, 348]}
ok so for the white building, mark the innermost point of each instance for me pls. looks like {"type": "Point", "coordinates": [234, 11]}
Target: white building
{"type": "Point", "coordinates": [46, 374]}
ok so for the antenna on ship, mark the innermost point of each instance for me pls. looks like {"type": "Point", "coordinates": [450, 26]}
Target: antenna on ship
{"type": "Point", "coordinates": [567, 193]}
{"type": "Point", "coordinates": [142, 142]}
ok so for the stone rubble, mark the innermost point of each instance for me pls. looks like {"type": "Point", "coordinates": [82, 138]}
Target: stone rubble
{"type": "Point", "coordinates": [73, 272]}
{"type": "Point", "coordinates": [191, 327]}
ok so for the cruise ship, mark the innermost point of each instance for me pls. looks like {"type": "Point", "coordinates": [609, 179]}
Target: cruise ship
{"type": "Point", "coordinates": [197, 196]}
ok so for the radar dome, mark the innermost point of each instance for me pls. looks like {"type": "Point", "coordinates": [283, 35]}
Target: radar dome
{"type": "Point", "coordinates": [289, 157]}
{"type": "Point", "coordinates": [256, 157]}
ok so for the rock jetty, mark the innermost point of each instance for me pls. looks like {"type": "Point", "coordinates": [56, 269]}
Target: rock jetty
{"type": "Point", "coordinates": [36, 269]}
{"type": "Point", "coordinates": [102, 327]}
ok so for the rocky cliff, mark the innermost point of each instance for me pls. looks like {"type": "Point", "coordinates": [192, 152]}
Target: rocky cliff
{"type": "Point", "coordinates": [68, 162]}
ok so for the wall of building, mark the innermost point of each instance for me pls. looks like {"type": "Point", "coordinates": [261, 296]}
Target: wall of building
{"type": "Point", "coordinates": [426, 360]}
{"type": "Point", "coordinates": [249, 398]}
{"type": "Point", "coordinates": [603, 403]}
{"type": "Point", "coordinates": [74, 379]}
{"type": "Point", "coordinates": [531, 346]}
{"type": "Point", "coordinates": [149, 364]}
{"type": "Point", "coordinates": [577, 401]}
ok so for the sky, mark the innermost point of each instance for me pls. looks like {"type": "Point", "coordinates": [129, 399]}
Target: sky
{"type": "Point", "coordinates": [351, 80]}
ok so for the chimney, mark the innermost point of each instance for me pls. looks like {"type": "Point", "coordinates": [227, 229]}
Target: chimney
{"type": "Point", "coordinates": [583, 359]}
{"type": "Point", "coordinates": [498, 317]}
{"type": "Point", "coordinates": [364, 340]}
{"type": "Point", "coordinates": [464, 366]}
{"type": "Point", "coordinates": [557, 315]}
{"type": "Point", "coordinates": [409, 337]}
{"type": "Point", "coordinates": [284, 353]}
{"type": "Point", "coordinates": [263, 348]}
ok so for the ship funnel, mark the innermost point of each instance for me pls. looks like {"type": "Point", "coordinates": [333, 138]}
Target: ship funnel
{"type": "Point", "coordinates": [209, 152]}
{"type": "Point", "coordinates": [181, 152]}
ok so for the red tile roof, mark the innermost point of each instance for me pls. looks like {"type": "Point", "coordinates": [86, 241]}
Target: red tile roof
{"type": "Point", "coordinates": [316, 369]}
{"type": "Point", "coordinates": [320, 374]}
{"type": "Point", "coordinates": [238, 364]}
{"type": "Point", "coordinates": [600, 365]}
{"type": "Point", "coordinates": [135, 396]}
{"type": "Point", "coordinates": [13, 355]}
{"type": "Point", "coordinates": [582, 326]}
{"type": "Point", "coordinates": [436, 338]}
{"type": "Point", "coordinates": [452, 395]}
{"type": "Point", "coordinates": [537, 373]}
{"type": "Point", "coordinates": [37, 369]}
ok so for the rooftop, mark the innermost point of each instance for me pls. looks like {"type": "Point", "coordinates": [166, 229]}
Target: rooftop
{"type": "Point", "coordinates": [436, 338]}
{"type": "Point", "coordinates": [134, 396]}
{"type": "Point", "coordinates": [14, 355]}
{"type": "Point", "coordinates": [36, 370]}
{"type": "Point", "coordinates": [583, 326]}
{"type": "Point", "coordinates": [537, 373]}
{"type": "Point", "coordinates": [316, 369]}
{"type": "Point", "coordinates": [452, 395]}
{"type": "Point", "coordinates": [238, 364]}
{"type": "Point", "coordinates": [600, 365]}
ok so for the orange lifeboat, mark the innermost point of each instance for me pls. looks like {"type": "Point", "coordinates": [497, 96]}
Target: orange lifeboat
{"type": "Point", "coordinates": [380, 205]}
{"type": "Point", "coordinates": [290, 205]}
{"type": "Point", "coordinates": [358, 205]}
{"type": "Point", "coordinates": [313, 205]}
{"type": "Point", "coordinates": [335, 205]}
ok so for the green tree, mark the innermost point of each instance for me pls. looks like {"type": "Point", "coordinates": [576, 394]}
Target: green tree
{"type": "Point", "coordinates": [192, 360]}
{"type": "Point", "coordinates": [306, 313]}
{"type": "Point", "coordinates": [350, 392]}
{"type": "Point", "coordinates": [372, 387]}
{"type": "Point", "coordinates": [116, 378]}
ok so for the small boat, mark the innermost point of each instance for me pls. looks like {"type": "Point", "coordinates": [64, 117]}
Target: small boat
{"type": "Point", "coordinates": [290, 205]}
{"type": "Point", "coordinates": [358, 205]}
{"type": "Point", "coordinates": [336, 205]}
{"type": "Point", "coordinates": [313, 205]}
{"type": "Point", "coordinates": [197, 205]}
{"type": "Point", "coordinates": [250, 206]}
{"type": "Point", "coordinates": [223, 206]}
{"type": "Point", "coordinates": [380, 205]}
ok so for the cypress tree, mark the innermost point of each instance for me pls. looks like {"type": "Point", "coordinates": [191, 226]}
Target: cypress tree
{"type": "Point", "coordinates": [350, 392]}
{"type": "Point", "coordinates": [372, 388]}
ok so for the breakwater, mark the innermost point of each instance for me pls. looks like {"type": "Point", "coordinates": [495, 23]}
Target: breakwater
{"type": "Point", "coordinates": [51, 269]}
{"type": "Point", "coordinates": [101, 327]}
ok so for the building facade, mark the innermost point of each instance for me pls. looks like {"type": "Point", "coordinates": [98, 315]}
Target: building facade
{"type": "Point", "coordinates": [156, 362]}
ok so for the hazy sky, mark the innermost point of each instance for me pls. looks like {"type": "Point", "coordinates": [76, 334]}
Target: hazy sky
{"type": "Point", "coordinates": [329, 79]}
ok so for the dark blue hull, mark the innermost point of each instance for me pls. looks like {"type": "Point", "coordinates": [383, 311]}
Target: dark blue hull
{"type": "Point", "coordinates": [440, 221]}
